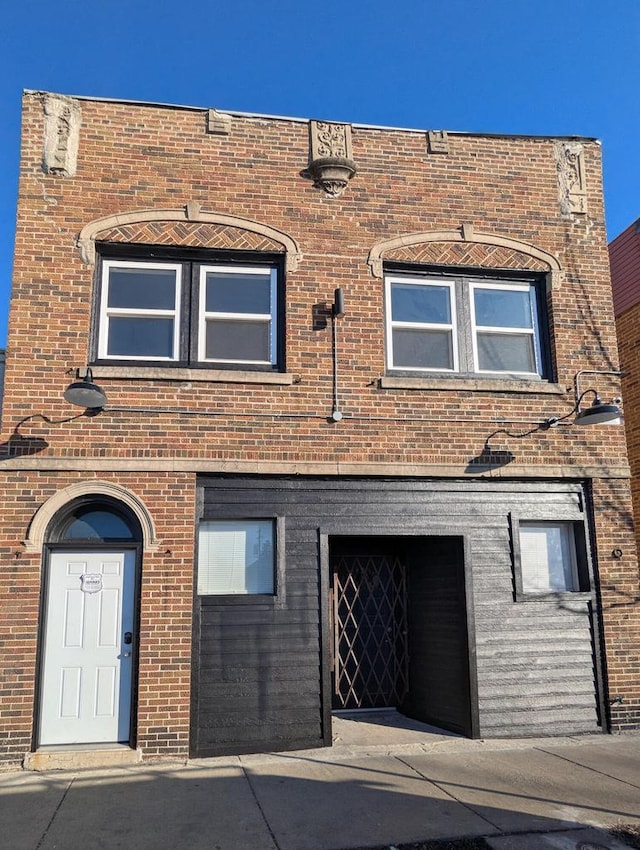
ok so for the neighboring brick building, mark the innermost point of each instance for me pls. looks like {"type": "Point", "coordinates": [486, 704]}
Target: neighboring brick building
{"type": "Point", "coordinates": [283, 510]}
{"type": "Point", "coordinates": [624, 256]}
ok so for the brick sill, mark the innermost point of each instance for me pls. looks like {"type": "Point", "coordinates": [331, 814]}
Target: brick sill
{"type": "Point", "coordinates": [164, 373]}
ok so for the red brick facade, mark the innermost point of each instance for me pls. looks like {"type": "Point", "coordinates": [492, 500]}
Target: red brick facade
{"type": "Point", "coordinates": [624, 255]}
{"type": "Point", "coordinates": [489, 203]}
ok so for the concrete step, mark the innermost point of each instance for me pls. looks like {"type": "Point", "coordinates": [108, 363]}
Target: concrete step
{"type": "Point", "coordinates": [67, 758]}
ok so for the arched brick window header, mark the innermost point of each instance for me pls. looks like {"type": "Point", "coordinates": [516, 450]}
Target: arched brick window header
{"type": "Point", "coordinates": [189, 226]}
{"type": "Point", "coordinates": [463, 247]}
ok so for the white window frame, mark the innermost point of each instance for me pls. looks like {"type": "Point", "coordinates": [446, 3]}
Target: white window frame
{"type": "Point", "coordinates": [107, 312]}
{"type": "Point", "coordinates": [533, 331]}
{"type": "Point", "coordinates": [392, 325]}
{"type": "Point", "coordinates": [270, 318]}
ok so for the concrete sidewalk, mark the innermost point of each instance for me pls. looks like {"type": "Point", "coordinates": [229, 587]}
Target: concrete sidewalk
{"type": "Point", "coordinates": [523, 794]}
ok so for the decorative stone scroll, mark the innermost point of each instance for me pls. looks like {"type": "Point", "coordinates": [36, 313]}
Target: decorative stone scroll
{"type": "Point", "coordinates": [218, 123]}
{"type": "Point", "coordinates": [61, 135]}
{"type": "Point", "coordinates": [438, 141]}
{"type": "Point", "coordinates": [331, 165]}
{"type": "Point", "coordinates": [572, 190]}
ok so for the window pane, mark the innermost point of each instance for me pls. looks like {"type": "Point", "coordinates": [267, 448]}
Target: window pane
{"type": "Point", "coordinates": [140, 337]}
{"type": "Point", "coordinates": [141, 288]}
{"type": "Point", "coordinates": [506, 352]}
{"type": "Point", "coordinates": [99, 525]}
{"type": "Point", "coordinates": [415, 303]}
{"type": "Point", "coordinates": [236, 556]}
{"type": "Point", "coordinates": [548, 557]}
{"type": "Point", "coordinates": [238, 293]}
{"type": "Point", "coordinates": [503, 308]}
{"type": "Point", "coordinates": [422, 349]}
{"type": "Point", "coordinates": [229, 340]}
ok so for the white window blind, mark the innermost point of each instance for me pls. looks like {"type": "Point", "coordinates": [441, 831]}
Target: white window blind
{"type": "Point", "coordinates": [548, 557]}
{"type": "Point", "coordinates": [235, 557]}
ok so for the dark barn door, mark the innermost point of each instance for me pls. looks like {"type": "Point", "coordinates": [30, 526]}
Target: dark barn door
{"type": "Point", "coordinates": [369, 618]}
{"type": "Point", "coordinates": [439, 682]}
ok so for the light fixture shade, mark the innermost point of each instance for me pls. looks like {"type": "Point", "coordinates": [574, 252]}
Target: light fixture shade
{"type": "Point", "coordinates": [84, 393]}
{"type": "Point", "coordinates": [599, 414]}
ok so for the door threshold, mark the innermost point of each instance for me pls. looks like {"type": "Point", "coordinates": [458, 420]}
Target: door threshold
{"type": "Point", "coordinates": [81, 756]}
{"type": "Point", "coordinates": [354, 712]}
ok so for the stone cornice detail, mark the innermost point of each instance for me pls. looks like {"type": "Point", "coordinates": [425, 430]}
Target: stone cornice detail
{"type": "Point", "coordinates": [465, 233]}
{"type": "Point", "coordinates": [339, 468]}
{"type": "Point", "coordinates": [572, 191]}
{"type": "Point", "coordinates": [63, 118]}
{"type": "Point", "coordinates": [37, 530]}
{"type": "Point", "coordinates": [191, 212]}
{"type": "Point", "coordinates": [331, 164]}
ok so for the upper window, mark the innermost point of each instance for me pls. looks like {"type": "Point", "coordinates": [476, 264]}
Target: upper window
{"type": "Point", "coordinates": [463, 324]}
{"type": "Point", "coordinates": [189, 312]}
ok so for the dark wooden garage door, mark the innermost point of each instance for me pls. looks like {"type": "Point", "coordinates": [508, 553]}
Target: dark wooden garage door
{"type": "Point", "coordinates": [439, 656]}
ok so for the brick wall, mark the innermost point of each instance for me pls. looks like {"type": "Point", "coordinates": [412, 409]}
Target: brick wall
{"type": "Point", "coordinates": [144, 157]}
{"type": "Point", "coordinates": [624, 254]}
{"type": "Point", "coordinates": [165, 609]}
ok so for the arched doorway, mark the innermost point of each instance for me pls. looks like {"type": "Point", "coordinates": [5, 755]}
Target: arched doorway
{"type": "Point", "coordinates": [88, 648]}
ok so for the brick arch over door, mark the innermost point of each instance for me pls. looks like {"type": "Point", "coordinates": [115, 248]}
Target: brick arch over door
{"type": "Point", "coordinates": [464, 247]}
{"type": "Point", "coordinates": [46, 512]}
{"type": "Point", "coordinates": [188, 226]}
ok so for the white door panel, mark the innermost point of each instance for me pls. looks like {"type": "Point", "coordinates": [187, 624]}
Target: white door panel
{"type": "Point", "coordinates": [87, 675]}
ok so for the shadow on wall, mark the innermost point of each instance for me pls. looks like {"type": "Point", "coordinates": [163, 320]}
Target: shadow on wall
{"type": "Point", "coordinates": [19, 445]}
{"type": "Point", "coordinates": [489, 458]}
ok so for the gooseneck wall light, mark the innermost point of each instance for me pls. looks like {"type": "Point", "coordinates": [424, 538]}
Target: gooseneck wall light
{"type": "Point", "coordinates": [83, 392]}
{"type": "Point", "coordinates": [598, 412]}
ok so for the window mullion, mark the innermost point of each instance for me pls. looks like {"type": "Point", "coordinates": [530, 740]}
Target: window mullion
{"type": "Point", "coordinates": [466, 341]}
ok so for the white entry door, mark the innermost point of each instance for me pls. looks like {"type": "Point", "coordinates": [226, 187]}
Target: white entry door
{"type": "Point", "coordinates": [87, 672]}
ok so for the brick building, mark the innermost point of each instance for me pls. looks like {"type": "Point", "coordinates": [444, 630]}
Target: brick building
{"type": "Point", "coordinates": [624, 256]}
{"type": "Point", "coordinates": [297, 499]}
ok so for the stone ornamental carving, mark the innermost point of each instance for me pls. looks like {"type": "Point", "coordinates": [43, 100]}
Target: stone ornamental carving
{"type": "Point", "coordinates": [438, 141]}
{"type": "Point", "coordinates": [61, 135]}
{"type": "Point", "coordinates": [331, 165]}
{"type": "Point", "coordinates": [571, 181]}
{"type": "Point", "coordinates": [218, 124]}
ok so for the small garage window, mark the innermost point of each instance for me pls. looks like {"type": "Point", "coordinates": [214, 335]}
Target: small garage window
{"type": "Point", "coordinates": [236, 557]}
{"type": "Point", "coordinates": [550, 557]}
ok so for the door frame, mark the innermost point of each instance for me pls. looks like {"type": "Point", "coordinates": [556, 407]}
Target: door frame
{"type": "Point", "coordinates": [80, 546]}
{"type": "Point", "coordinates": [324, 536]}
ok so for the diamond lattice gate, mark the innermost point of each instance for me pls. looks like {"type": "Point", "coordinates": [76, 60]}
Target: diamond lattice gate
{"type": "Point", "coordinates": [369, 631]}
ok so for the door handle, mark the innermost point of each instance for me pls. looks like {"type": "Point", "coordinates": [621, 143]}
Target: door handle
{"type": "Point", "coordinates": [126, 655]}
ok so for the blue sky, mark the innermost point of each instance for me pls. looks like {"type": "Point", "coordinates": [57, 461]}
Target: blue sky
{"type": "Point", "coordinates": [548, 67]}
